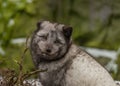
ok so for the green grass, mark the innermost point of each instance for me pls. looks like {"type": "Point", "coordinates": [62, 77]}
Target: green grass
{"type": "Point", "coordinates": [13, 55]}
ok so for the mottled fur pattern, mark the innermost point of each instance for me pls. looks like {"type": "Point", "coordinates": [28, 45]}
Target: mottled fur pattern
{"type": "Point", "coordinates": [66, 63]}
{"type": "Point", "coordinates": [48, 42]}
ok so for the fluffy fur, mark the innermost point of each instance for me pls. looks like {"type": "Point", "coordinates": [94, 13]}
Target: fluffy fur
{"type": "Point", "coordinates": [66, 63]}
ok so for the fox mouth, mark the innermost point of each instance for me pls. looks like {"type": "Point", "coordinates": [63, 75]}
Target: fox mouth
{"type": "Point", "coordinates": [49, 54]}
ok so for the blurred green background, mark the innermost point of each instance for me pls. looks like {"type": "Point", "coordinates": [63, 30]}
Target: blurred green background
{"type": "Point", "coordinates": [96, 23]}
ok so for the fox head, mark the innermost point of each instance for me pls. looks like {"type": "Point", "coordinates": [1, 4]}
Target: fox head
{"type": "Point", "coordinates": [50, 41]}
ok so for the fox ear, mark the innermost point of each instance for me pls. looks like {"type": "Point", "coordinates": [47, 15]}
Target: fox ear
{"type": "Point", "coordinates": [67, 31]}
{"type": "Point", "coordinates": [39, 24]}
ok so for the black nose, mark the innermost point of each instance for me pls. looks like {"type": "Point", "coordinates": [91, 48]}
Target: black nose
{"type": "Point", "coordinates": [48, 50]}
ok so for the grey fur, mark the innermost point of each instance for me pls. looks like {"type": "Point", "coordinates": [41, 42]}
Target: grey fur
{"type": "Point", "coordinates": [66, 63]}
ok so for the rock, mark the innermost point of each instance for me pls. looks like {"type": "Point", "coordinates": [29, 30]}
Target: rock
{"type": "Point", "coordinates": [118, 83]}
{"type": "Point", "coordinates": [35, 82]}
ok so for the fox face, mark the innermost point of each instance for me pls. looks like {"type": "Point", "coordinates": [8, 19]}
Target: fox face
{"type": "Point", "coordinates": [50, 41]}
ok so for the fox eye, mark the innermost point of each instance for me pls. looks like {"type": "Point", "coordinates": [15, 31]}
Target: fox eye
{"type": "Point", "coordinates": [58, 42]}
{"type": "Point", "coordinates": [42, 37]}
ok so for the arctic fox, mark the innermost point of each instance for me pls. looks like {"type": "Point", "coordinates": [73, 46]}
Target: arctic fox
{"type": "Point", "coordinates": [67, 65]}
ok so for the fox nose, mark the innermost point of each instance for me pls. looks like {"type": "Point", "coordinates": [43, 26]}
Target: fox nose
{"type": "Point", "coordinates": [48, 50]}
